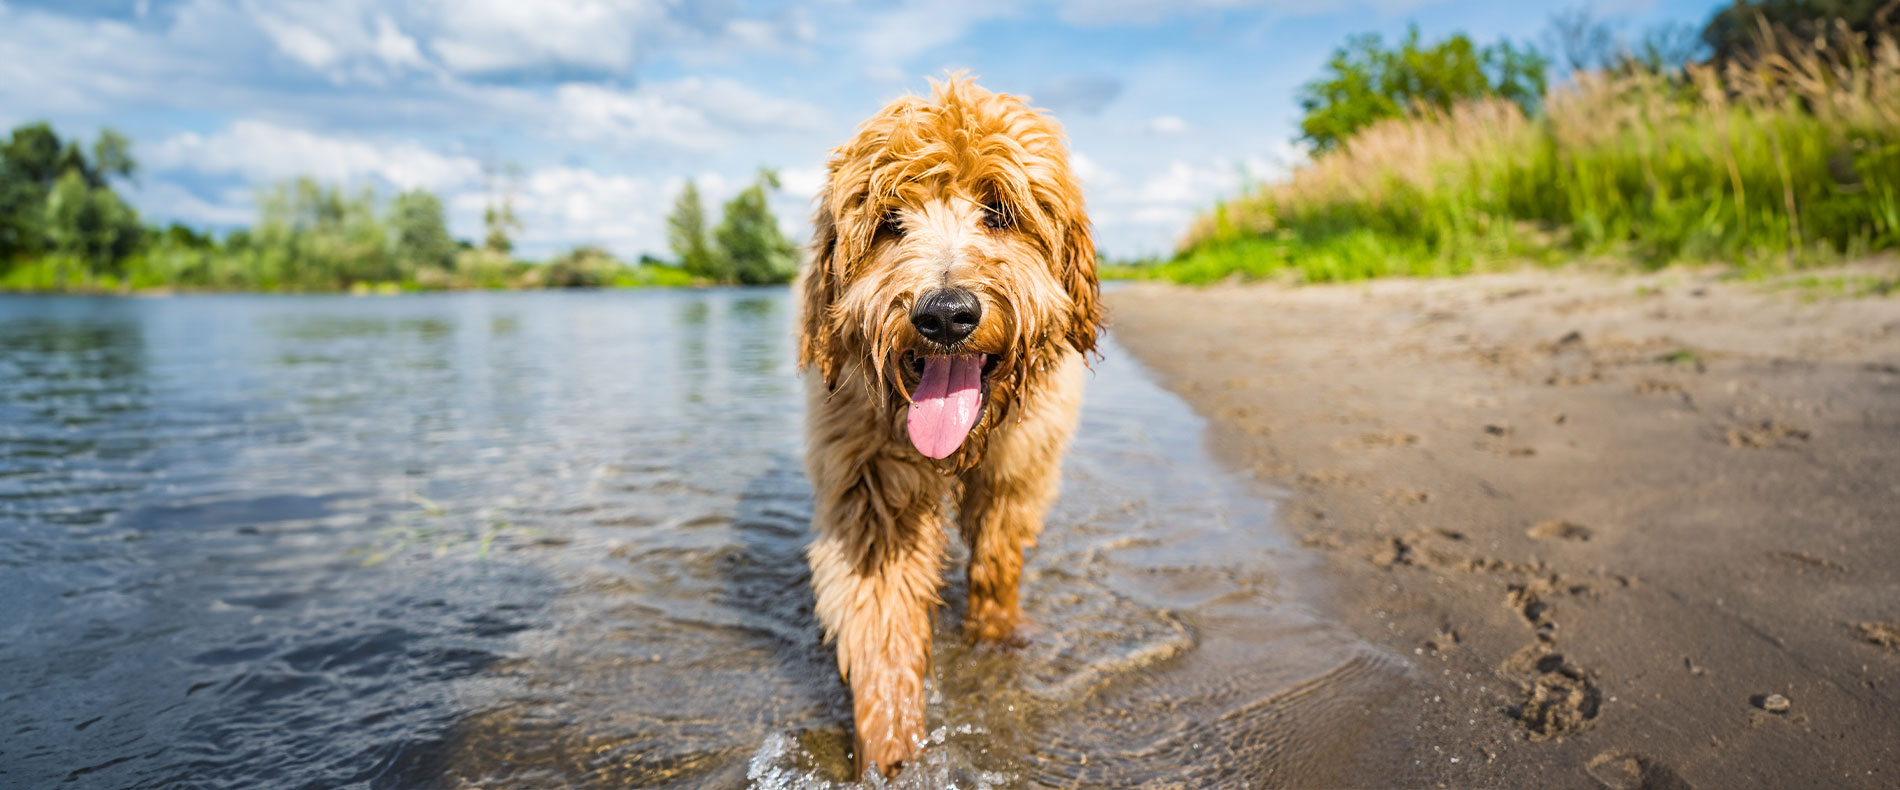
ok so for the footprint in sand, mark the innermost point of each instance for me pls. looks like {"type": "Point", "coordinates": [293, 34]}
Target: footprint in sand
{"type": "Point", "coordinates": [1557, 529]}
{"type": "Point", "coordinates": [1886, 635]}
{"type": "Point", "coordinates": [1620, 770]}
{"type": "Point", "coordinates": [1765, 435]}
{"type": "Point", "coordinates": [1557, 698]}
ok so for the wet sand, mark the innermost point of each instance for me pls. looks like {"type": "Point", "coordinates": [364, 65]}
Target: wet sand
{"type": "Point", "coordinates": [1632, 531]}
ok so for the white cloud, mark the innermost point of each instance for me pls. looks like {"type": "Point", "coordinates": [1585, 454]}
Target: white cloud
{"type": "Point", "coordinates": [176, 204]}
{"type": "Point", "coordinates": [1118, 12]}
{"type": "Point", "coordinates": [488, 36]}
{"type": "Point", "coordinates": [690, 114]}
{"type": "Point", "coordinates": [1167, 125]}
{"type": "Point", "coordinates": [368, 41]}
{"type": "Point", "coordinates": [342, 39]}
{"type": "Point", "coordinates": [1094, 177]}
{"type": "Point", "coordinates": [260, 151]}
{"type": "Point", "coordinates": [1149, 213]}
{"type": "Point", "coordinates": [802, 182]}
{"type": "Point", "coordinates": [895, 37]}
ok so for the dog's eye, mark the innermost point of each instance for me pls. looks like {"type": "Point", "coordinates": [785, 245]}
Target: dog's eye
{"type": "Point", "coordinates": [891, 224]}
{"type": "Point", "coordinates": [994, 219]}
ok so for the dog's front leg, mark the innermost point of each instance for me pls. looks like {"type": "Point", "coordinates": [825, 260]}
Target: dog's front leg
{"type": "Point", "coordinates": [876, 567]}
{"type": "Point", "coordinates": [1000, 514]}
{"type": "Point", "coordinates": [1006, 497]}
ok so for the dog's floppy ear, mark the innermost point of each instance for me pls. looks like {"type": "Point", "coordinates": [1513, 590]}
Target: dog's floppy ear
{"type": "Point", "coordinates": [818, 339]}
{"type": "Point", "coordinates": [1077, 254]}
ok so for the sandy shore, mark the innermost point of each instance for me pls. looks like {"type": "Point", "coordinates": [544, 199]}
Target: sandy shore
{"type": "Point", "coordinates": [1638, 531]}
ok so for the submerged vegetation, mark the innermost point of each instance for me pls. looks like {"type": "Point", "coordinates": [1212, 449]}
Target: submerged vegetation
{"type": "Point", "coordinates": [1782, 152]}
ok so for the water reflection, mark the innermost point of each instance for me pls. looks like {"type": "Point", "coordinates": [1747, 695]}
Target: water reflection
{"type": "Point", "coordinates": [553, 540]}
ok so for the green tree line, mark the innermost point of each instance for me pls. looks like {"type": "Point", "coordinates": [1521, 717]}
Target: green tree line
{"type": "Point", "coordinates": [64, 227]}
{"type": "Point", "coordinates": [745, 248]}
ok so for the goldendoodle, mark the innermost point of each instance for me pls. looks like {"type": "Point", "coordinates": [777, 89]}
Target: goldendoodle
{"type": "Point", "coordinates": [949, 303]}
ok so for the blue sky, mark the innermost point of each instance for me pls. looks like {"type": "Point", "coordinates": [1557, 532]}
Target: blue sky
{"type": "Point", "coordinates": [604, 108]}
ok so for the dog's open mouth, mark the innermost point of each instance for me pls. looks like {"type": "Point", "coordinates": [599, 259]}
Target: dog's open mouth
{"type": "Point", "coordinates": [947, 402]}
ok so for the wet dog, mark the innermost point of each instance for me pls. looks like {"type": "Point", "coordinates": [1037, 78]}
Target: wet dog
{"type": "Point", "coordinates": [947, 308]}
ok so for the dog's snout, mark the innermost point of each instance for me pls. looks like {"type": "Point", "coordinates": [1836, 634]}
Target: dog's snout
{"type": "Point", "coordinates": [946, 316]}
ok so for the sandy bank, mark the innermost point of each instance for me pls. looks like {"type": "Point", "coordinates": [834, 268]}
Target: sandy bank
{"type": "Point", "coordinates": [1633, 531]}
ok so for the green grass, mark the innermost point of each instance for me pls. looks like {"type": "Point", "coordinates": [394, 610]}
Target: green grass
{"type": "Point", "coordinates": [1791, 162]}
{"type": "Point", "coordinates": [216, 270]}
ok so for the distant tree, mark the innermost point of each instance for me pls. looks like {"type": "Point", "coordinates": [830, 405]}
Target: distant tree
{"type": "Point", "coordinates": [112, 156]}
{"type": "Point", "coordinates": [498, 218]}
{"type": "Point", "coordinates": [751, 247]}
{"type": "Point", "coordinates": [1735, 30]}
{"type": "Point", "coordinates": [310, 235]}
{"type": "Point", "coordinates": [421, 234]}
{"type": "Point", "coordinates": [686, 234]}
{"type": "Point", "coordinates": [33, 162]}
{"type": "Point", "coordinates": [582, 267]}
{"type": "Point", "coordinates": [33, 154]}
{"type": "Point", "coordinates": [90, 223]}
{"type": "Point", "coordinates": [22, 215]}
{"type": "Point", "coordinates": [502, 224]}
{"type": "Point", "coordinates": [1365, 82]}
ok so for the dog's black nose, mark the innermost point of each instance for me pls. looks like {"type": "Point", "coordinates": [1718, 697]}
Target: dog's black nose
{"type": "Point", "coordinates": [946, 316]}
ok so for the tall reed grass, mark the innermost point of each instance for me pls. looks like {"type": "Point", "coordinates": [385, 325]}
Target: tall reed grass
{"type": "Point", "coordinates": [1789, 158]}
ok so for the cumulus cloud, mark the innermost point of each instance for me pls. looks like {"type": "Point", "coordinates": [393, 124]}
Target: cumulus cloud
{"type": "Point", "coordinates": [802, 183]}
{"type": "Point", "coordinates": [480, 39]}
{"type": "Point", "coordinates": [225, 208]}
{"type": "Point", "coordinates": [221, 95]}
{"type": "Point", "coordinates": [493, 36]}
{"type": "Point", "coordinates": [342, 39]}
{"type": "Point", "coordinates": [1166, 125]}
{"type": "Point", "coordinates": [562, 206]}
{"type": "Point", "coordinates": [259, 151]}
{"type": "Point", "coordinates": [897, 35]}
{"type": "Point", "coordinates": [690, 114]}
{"type": "Point", "coordinates": [1132, 12]}
{"type": "Point", "coordinates": [1149, 211]}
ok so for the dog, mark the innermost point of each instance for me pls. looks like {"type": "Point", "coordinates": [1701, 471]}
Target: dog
{"type": "Point", "coordinates": [947, 312]}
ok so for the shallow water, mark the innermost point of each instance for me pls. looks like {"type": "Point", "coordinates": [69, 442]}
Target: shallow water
{"type": "Point", "coordinates": [553, 540]}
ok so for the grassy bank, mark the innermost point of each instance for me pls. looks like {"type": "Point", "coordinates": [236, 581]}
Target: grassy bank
{"type": "Point", "coordinates": [214, 269]}
{"type": "Point", "coordinates": [1790, 158]}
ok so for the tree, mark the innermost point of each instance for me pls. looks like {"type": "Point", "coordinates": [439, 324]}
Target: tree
{"type": "Point", "coordinates": [31, 162]}
{"type": "Point", "coordinates": [53, 198]}
{"type": "Point", "coordinates": [310, 235]}
{"type": "Point", "coordinates": [686, 234]}
{"type": "Point", "coordinates": [582, 267]}
{"type": "Point", "coordinates": [90, 223]}
{"type": "Point", "coordinates": [499, 216]}
{"type": "Point", "coordinates": [1734, 31]}
{"type": "Point", "coordinates": [502, 223]}
{"type": "Point", "coordinates": [33, 154]}
{"type": "Point", "coordinates": [1365, 82]}
{"type": "Point", "coordinates": [421, 234]}
{"type": "Point", "coordinates": [112, 156]}
{"type": "Point", "coordinates": [751, 247]}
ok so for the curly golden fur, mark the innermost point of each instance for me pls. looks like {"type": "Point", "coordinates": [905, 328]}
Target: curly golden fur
{"type": "Point", "coordinates": [967, 190]}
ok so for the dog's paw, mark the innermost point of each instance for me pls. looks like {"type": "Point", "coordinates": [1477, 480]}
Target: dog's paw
{"type": "Point", "coordinates": [1001, 630]}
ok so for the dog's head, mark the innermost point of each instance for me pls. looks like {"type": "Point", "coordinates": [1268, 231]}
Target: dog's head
{"type": "Point", "coordinates": [951, 263]}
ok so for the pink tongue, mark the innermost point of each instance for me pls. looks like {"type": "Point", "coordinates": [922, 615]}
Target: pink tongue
{"type": "Point", "coordinates": [945, 405]}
